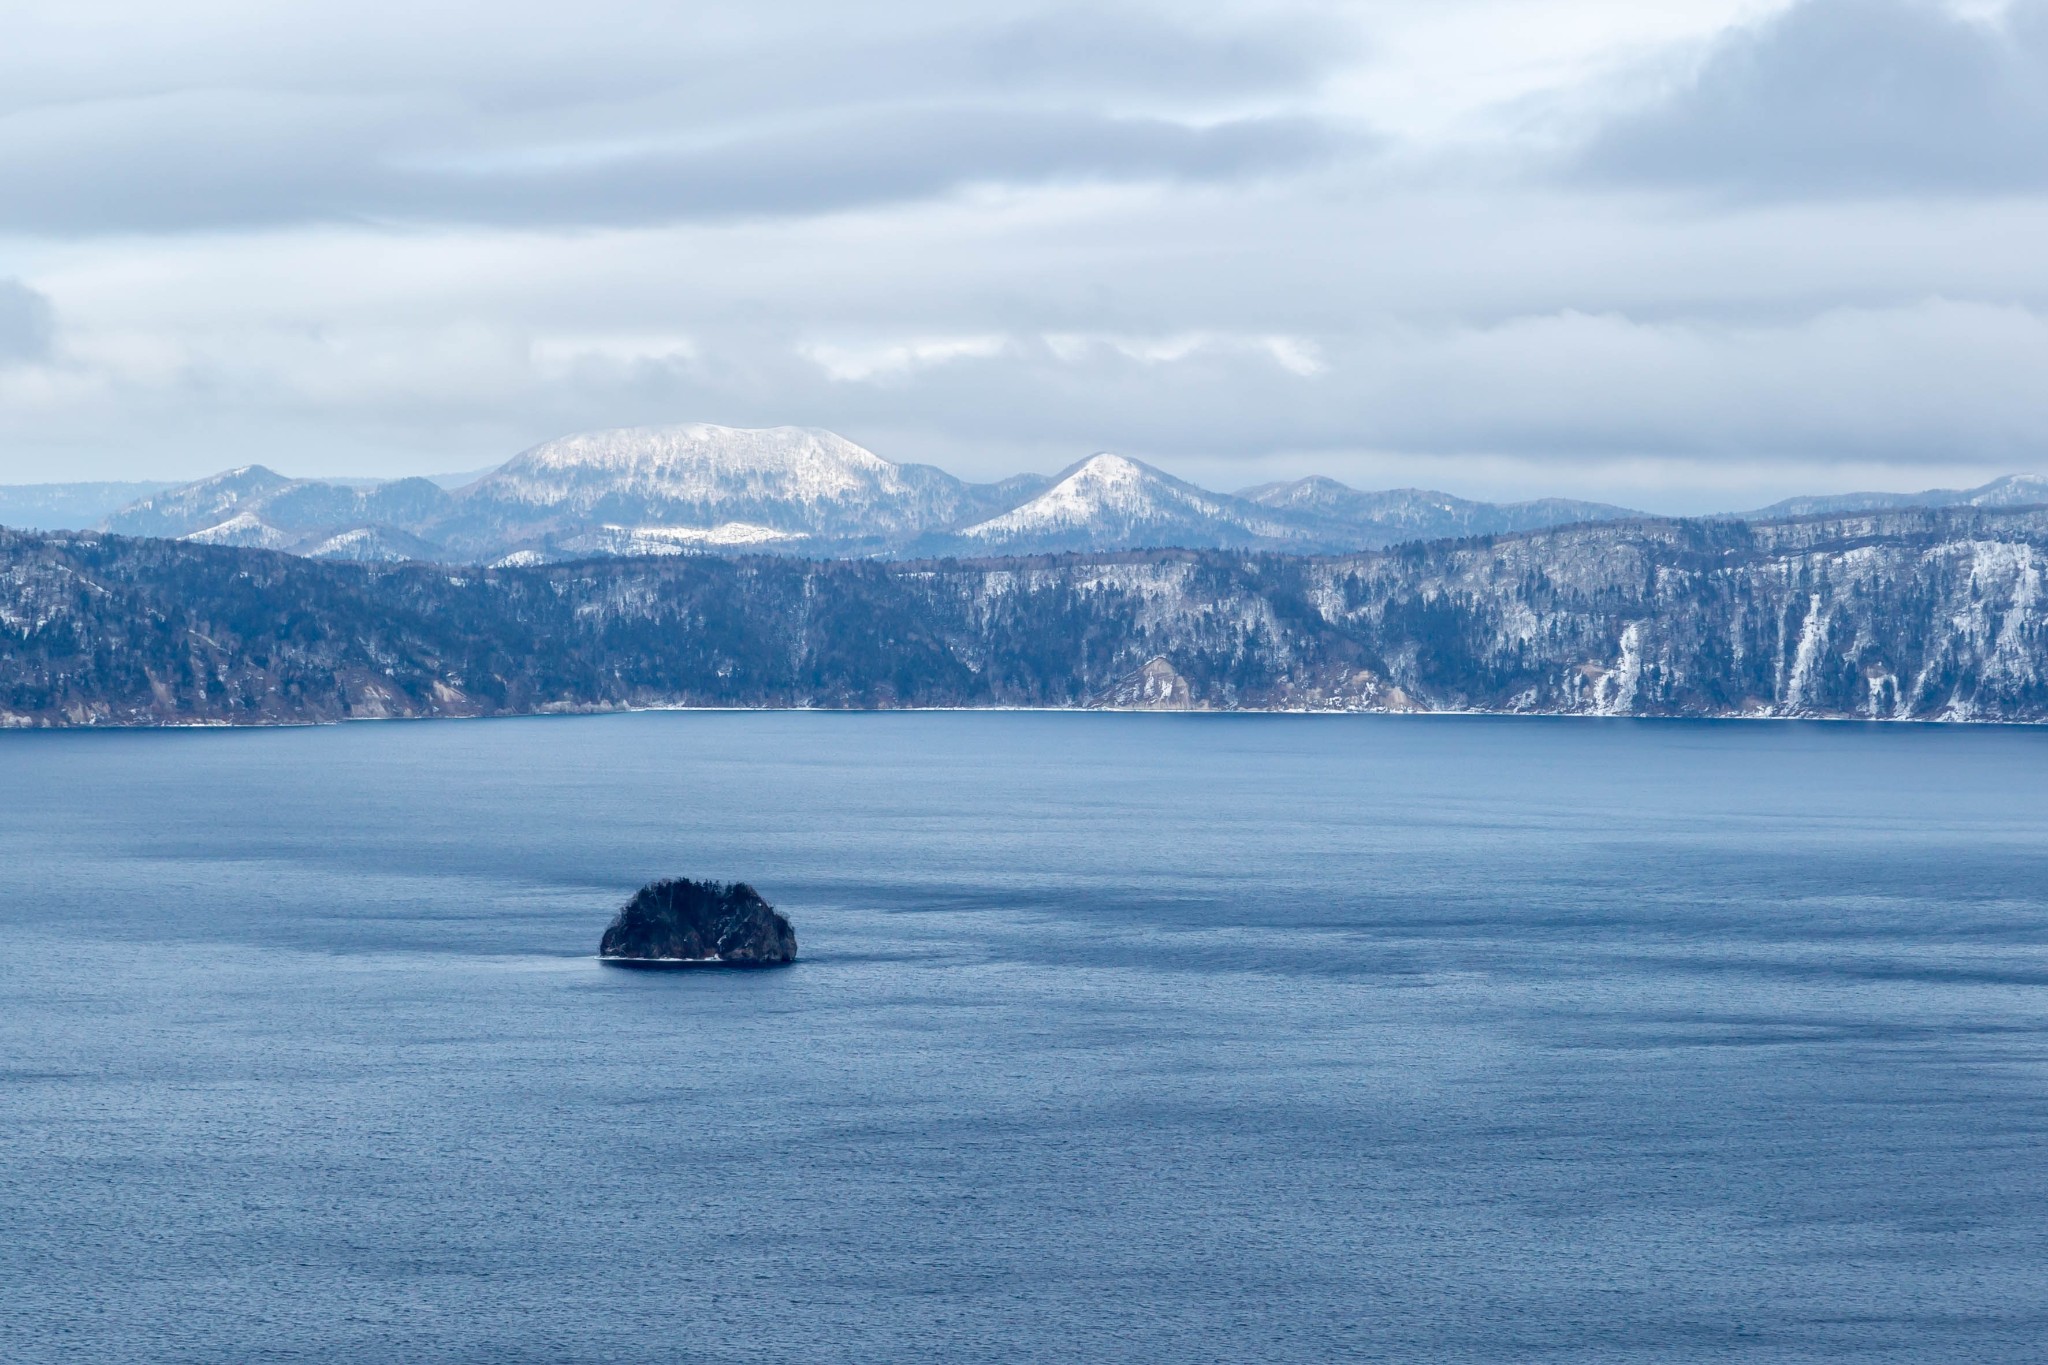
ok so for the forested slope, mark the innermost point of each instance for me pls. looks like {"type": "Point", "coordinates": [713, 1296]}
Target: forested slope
{"type": "Point", "coordinates": [1898, 614]}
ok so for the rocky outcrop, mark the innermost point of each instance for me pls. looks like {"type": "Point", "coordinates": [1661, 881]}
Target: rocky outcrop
{"type": "Point", "coordinates": [1158, 686]}
{"type": "Point", "coordinates": [683, 923]}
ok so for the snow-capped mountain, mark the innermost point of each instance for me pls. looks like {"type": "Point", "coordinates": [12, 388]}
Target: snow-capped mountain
{"type": "Point", "coordinates": [688, 481]}
{"type": "Point", "coordinates": [1110, 502]}
{"type": "Point", "coordinates": [245, 529]}
{"type": "Point", "coordinates": [365, 544]}
{"type": "Point", "coordinates": [1373, 520]}
{"type": "Point", "coordinates": [227, 508]}
{"type": "Point", "coordinates": [200, 506]}
{"type": "Point", "coordinates": [2014, 490]}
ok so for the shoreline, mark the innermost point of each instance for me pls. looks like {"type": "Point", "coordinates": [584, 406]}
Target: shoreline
{"type": "Point", "coordinates": [1405, 713]}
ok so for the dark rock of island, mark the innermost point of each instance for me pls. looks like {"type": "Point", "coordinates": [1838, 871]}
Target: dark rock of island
{"type": "Point", "coordinates": [682, 923]}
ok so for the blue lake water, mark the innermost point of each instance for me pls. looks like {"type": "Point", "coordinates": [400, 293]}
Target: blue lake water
{"type": "Point", "coordinates": [1114, 1037]}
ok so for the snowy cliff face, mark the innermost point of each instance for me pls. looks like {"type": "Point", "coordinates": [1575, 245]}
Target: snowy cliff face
{"type": "Point", "coordinates": [1108, 502]}
{"type": "Point", "coordinates": [1897, 615]}
{"type": "Point", "coordinates": [1931, 614]}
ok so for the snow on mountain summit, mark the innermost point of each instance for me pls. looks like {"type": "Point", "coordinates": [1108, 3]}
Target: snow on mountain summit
{"type": "Point", "coordinates": [1101, 487]}
{"type": "Point", "coordinates": [245, 529]}
{"type": "Point", "coordinates": [789, 478]}
{"type": "Point", "coordinates": [2014, 490]}
{"type": "Point", "coordinates": [699, 462]}
{"type": "Point", "coordinates": [204, 505]}
{"type": "Point", "coordinates": [1109, 500]}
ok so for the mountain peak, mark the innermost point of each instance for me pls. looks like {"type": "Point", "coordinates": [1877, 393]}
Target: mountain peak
{"type": "Point", "coordinates": [692, 458]}
{"type": "Point", "coordinates": [1103, 489]}
{"type": "Point", "coordinates": [245, 529]}
{"type": "Point", "coordinates": [2014, 490]}
{"type": "Point", "coordinates": [203, 505]}
{"type": "Point", "coordinates": [1109, 462]}
{"type": "Point", "coordinates": [700, 475]}
{"type": "Point", "coordinates": [1110, 501]}
{"type": "Point", "coordinates": [1118, 481]}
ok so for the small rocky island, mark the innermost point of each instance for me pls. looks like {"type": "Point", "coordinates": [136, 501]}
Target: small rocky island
{"type": "Point", "coordinates": [681, 923]}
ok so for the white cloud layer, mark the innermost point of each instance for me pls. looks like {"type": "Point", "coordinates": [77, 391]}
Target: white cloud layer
{"type": "Point", "coordinates": [1686, 255]}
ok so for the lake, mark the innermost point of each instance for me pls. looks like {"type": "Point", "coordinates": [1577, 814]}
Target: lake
{"type": "Point", "coordinates": [1114, 1037]}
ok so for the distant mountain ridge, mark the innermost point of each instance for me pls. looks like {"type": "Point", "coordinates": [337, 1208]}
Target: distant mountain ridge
{"type": "Point", "coordinates": [2014, 490]}
{"type": "Point", "coordinates": [652, 490]}
{"type": "Point", "coordinates": [1424, 514]}
{"type": "Point", "coordinates": [703, 488]}
{"type": "Point", "coordinates": [699, 487]}
{"type": "Point", "coordinates": [1110, 502]}
{"type": "Point", "coordinates": [259, 508]}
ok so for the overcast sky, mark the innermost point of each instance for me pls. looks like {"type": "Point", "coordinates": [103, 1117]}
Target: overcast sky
{"type": "Point", "coordinates": [1687, 255]}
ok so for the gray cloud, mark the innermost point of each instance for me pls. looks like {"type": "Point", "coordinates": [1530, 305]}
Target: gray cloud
{"type": "Point", "coordinates": [1852, 97]}
{"type": "Point", "coordinates": [1553, 396]}
{"type": "Point", "coordinates": [656, 122]}
{"type": "Point", "coordinates": [1104, 49]}
{"type": "Point", "coordinates": [853, 161]}
{"type": "Point", "coordinates": [27, 324]}
{"type": "Point", "coordinates": [1918, 384]}
{"type": "Point", "coordinates": [700, 63]}
{"type": "Point", "coordinates": [218, 161]}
